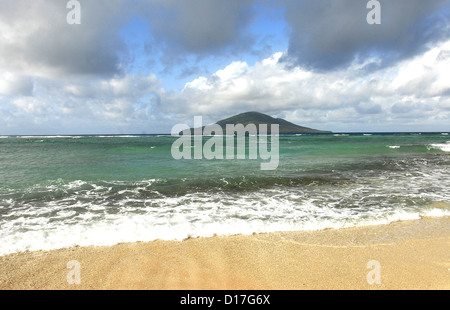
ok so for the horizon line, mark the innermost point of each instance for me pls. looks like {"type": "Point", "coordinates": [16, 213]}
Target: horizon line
{"type": "Point", "coordinates": [169, 134]}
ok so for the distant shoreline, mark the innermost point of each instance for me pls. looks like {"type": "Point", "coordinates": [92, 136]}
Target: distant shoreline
{"type": "Point", "coordinates": [281, 134]}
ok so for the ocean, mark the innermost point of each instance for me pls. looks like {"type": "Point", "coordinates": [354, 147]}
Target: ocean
{"type": "Point", "coordinates": [65, 191]}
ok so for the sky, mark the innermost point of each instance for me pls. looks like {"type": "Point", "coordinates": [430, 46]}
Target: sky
{"type": "Point", "coordinates": [141, 67]}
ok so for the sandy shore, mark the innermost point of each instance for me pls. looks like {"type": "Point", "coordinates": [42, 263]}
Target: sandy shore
{"type": "Point", "coordinates": [411, 255]}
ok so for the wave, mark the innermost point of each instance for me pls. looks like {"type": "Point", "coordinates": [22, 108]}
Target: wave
{"type": "Point", "coordinates": [62, 214]}
{"type": "Point", "coordinates": [117, 136]}
{"type": "Point", "coordinates": [185, 217]}
{"type": "Point", "coordinates": [76, 136]}
{"type": "Point", "coordinates": [43, 137]}
{"type": "Point", "coordinates": [50, 137]}
{"type": "Point", "coordinates": [445, 147]}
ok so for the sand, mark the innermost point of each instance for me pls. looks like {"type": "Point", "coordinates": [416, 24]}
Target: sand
{"type": "Point", "coordinates": [402, 255]}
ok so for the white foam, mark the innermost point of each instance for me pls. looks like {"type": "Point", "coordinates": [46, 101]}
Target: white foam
{"type": "Point", "coordinates": [118, 136]}
{"type": "Point", "coordinates": [193, 215]}
{"type": "Point", "coordinates": [44, 137]}
{"type": "Point", "coordinates": [393, 146]}
{"type": "Point", "coordinates": [441, 146]}
{"type": "Point", "coordinates": [88, 218]}
{"type": "Point", "coordinates": [65, 213]}
{"type": "Point", "coordinates": [75, 184]}
{"type": "Point", "coordinates": [132, 228]}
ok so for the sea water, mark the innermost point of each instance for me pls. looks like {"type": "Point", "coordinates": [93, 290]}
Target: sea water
{"type": "Point", "coordinates": [64, 191]}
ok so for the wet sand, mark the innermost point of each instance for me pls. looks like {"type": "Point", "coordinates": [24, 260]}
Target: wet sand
{"type": "Point", "coordinates": [401, 255]}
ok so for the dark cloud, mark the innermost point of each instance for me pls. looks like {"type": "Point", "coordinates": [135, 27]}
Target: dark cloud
{"type": "Point", "coordinates": [198, 27]}
{"type": "Point", "coordinates": [328, 35]}
{"type": "Point", "coordinates": [37, 38]}
{"type": "Point", "coordinates": [325, 34]}
{"type": "Point", "coordinates": [40, 39]}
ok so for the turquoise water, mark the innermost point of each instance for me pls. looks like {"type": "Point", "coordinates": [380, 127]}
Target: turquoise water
{"type": "Point", "coordinates": [64, 191]}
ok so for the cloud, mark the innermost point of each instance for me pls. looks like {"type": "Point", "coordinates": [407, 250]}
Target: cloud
{"type": "Point", "coordinates": [56, 77]}
{"type": "Point", "coordinates": [84, 71]}
{"type": "Point", "coordinates": [119, 104]}
{"type": "Point", "coordinates": [16, 84]}
{"type": "Point", "coordinates": [199, 27]}
{"type": "Point", "coordinates": [338, 70]}
{"type": "Point", "coordinates": [328, 35]}
{"type": "Point", "coordinates": [37, 40]}
{"type": "Point", "coordinates": [345, 97]}
{"type": "Point", "coordinates": [121, 99]}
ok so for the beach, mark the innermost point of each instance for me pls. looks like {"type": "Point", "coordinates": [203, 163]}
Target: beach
{"type": "Point", "coordinates": [404, 255]}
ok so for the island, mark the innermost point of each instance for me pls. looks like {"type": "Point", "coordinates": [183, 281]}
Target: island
{"type": "Point", "coordinates": [257, 119]}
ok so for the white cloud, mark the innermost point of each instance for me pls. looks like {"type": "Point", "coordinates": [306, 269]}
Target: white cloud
{"type": "Point", "coordinates": [77, 105]}
{"type": "Point", "coordinates": [12, 84]}
{"type": "Point", "coordinates": [350, 96]}
{"type": "Point", "coordinates": [432, 68]}
{"type": "Point", "coordinates": [413, 93]}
